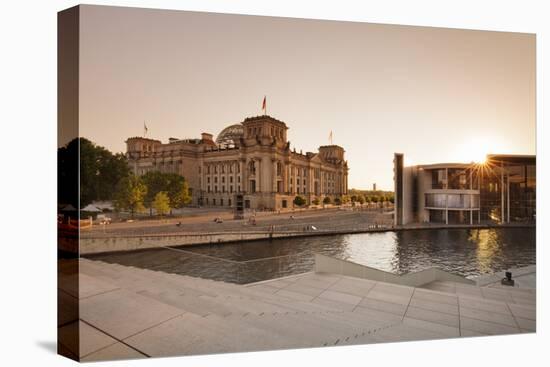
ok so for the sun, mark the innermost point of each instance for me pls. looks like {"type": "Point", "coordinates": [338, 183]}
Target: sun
{"type": "Point", "coordinates": [474, 150]}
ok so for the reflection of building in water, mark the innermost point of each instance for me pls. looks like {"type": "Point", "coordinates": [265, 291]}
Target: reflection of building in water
{"type": "Point", "coordinates": [252, 158]}
{"type": "Point", "coordinates": [502, 190]}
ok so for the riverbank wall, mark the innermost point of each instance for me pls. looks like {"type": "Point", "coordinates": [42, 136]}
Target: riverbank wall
{"type": "Point", "coordinates": [104, 243]}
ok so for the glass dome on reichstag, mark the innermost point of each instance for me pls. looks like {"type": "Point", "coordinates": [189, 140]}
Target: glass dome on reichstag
{"type": "Point", "coordinates": [230, 135]}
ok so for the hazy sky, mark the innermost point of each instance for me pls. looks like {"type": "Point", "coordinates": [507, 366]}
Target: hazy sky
{"type": "Point", "coordinates": [437, 95]}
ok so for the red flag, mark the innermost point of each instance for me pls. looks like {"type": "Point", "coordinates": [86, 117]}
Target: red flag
{"type": "Point", "coordinates": [264, 104]}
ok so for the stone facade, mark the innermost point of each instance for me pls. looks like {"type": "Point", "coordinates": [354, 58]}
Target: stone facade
{"type": "Point", "coordinates": [252, 158]}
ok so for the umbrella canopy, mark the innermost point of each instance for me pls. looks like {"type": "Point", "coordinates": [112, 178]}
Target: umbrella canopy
{"type": "Point", "coordinates": [68, 208]}
{"type": "Point", "coordinates": [91, 208]}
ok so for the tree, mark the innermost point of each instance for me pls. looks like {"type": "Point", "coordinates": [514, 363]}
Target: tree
{"type": "Point", "coordinates": [181, 196]}
{"type": "Point", "coordinates": [326, 200]}
{"type": "Point", "coordinates": [299, 200]}
{"type": "Point", "coordinates": [345, 199]}
{"type": "Point", "coordinates": [337, 201]}
{"type": "Point", "coordinates": [161, 203]}
{"type": "Point", "coordinates": [316, 201]}
{"type": "Point", "coordinates": [361, 199]}
{"type": "Point", "coordinates": [130, 194]}
{"type": "Point", "coordinates": [100, 170]}
{"type": "Point", "coordinates": [156, 182]}
{"type": "Point", "coordinates": [174, 186]}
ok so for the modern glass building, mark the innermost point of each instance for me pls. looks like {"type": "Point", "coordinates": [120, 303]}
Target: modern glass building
{"type": "Point", "coordinates": [500, 190]}
{"type": "Point", "coordinates": [508, 188]}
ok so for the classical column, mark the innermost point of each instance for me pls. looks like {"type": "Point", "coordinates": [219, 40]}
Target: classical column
{"type": "Point", "coordinates": [321, 182]}
{"type": "Point", "coordinates": [258, 175]}
{"type": "Point", "coordinates": [242, 169]}
{"type": "Point", "coordinates": [310, 180]}
{"type": "Point", "coordinates": [291, 179]}
{"type": "Point", "coordinates": [285, 177]}
{"type": "Point", "coordinates": [201, 165]}
{"type": "Point", "coordinates": [274, 175]}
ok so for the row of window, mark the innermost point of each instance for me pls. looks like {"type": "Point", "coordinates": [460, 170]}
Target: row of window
{"type": "Point", "coordinates": [223, 179]}
{"type": "Point", "coordinates": [215, 188]}
{"type": "Point", "coordinates": [222, 168]}
{"type": "Point", "coordinates": [207, 201]}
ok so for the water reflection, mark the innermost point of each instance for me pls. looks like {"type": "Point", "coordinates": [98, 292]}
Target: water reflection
{"type": "Point", "coordinates": [465, 252]}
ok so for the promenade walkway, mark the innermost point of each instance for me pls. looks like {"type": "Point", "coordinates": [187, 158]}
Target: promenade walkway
{"type": "Point", "coordinates": [127, 312]}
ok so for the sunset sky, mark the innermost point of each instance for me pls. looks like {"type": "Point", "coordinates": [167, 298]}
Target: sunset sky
{"type": "Point", "coordinates": [436, 95]}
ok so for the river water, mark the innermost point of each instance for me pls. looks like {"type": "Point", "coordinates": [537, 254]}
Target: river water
{"type": "Point", "coordinates": [468, 252]}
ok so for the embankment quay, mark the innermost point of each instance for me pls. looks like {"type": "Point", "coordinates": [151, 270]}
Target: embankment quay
{"type": "Point", "coordinates": [197, 231]}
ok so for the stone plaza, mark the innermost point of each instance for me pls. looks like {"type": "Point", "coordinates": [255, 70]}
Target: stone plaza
{"type": "Point", "coordinates": [126, 312]}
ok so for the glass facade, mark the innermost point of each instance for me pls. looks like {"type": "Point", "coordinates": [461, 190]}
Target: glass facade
{"type": "Point", "coordinates": [452, 201]}
{"type": "Point", "coordinates": [439, 178]}
{"type": "Point", "coordinates": [508, 189]}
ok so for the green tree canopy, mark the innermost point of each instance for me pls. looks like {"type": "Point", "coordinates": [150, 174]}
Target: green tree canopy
{"type": "Point", "coordinates": [361, 199]}
{"type": "Point", "coordinates": [172, 184]}
{"type": "Point", "coordinates": [161, 203]}
{"type": "Point", "coordinates": [130, 194]}
{"type": "Point", "coordinates": [315, 201]}
{"type": "Point", "coordinates": [299, 200]}
{"type": "Point", "coordinates": [182, 196]}
{"type": "Point", "coordinates": [156, 182]}
{"type": "Point", "coordinates": [326, 200]}
{"type": "Point", "coordinates": [100, 172]}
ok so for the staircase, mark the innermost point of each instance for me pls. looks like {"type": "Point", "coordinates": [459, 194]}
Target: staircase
{"type": "Point", "coordinates": [148, 313]}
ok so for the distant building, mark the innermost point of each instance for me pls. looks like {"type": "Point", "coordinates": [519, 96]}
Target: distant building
{"type": "Point", "coordinates": [252, 158]}
{"type": "Point", "coordinates": [374, 186]}
{"type": "Point", "coordinates": [502, 190]}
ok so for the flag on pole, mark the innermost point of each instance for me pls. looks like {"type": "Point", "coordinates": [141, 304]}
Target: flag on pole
{"type": "Point", "coordinates": [264, 106]}
{"type": "Point", "coordinates": [145, 129]}
{"type": "Point", "coordinates": [330, 137]}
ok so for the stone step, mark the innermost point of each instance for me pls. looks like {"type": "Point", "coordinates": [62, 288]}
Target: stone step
{"type": "Point", "coordinates": [509, 295]}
